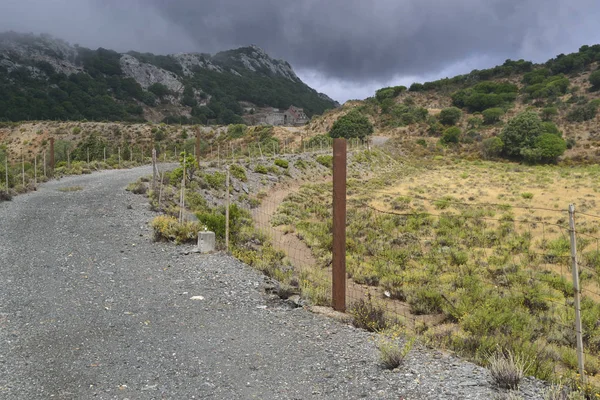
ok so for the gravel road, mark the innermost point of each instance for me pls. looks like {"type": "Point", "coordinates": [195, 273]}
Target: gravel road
{"type": "Point", "coordinates": [91, 308]}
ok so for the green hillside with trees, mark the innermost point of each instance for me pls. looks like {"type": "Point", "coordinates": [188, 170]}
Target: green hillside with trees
{"type": "Point", "coordinates": [536, 113]}
{"type": "Point", "coordinates": [97, 89]}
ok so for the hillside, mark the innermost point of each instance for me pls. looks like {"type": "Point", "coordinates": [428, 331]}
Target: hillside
{"type": "Point", "coordinates": [560, 91]}
{"type": "Point", "coordinates": [43, 78]}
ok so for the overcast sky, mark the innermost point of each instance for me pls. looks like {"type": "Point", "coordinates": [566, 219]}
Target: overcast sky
{"type": "Point", "coordinates": [344, 48]}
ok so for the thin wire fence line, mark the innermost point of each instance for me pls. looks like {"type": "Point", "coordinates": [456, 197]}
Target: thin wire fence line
{"type": "Point", "coordinates": [477, 205]}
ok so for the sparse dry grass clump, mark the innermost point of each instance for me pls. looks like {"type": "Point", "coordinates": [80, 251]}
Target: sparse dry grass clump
{"type": "Point", "coordinates": [368, 315]}
{"type": "Point", "coordinates": [507, 369]}
{"type": "Point", "coordinates": [392, 352]}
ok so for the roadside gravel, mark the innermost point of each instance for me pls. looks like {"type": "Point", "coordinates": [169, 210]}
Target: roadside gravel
{"type": "Point", "coordinates": [91, 308]}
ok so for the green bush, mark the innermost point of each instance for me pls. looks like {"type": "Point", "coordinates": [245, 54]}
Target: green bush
{"type": "Point", "coordinates": [214, 220]}
{"type": "Point", "coordinates": [326, 161]}
{"type": "Point", "coordinates": [352, 125]}
{"type": "Point", "coordinates": [549, 112]}
{"type": "Point", "coordinates": [194, 201]}
{"type": "Point", "coordinates": [216, 180]}
{"type": "Point", "coordinates": [238, 172]}
{"type": "Point", "coordinates": [261, 169]}
{"type": "Point", "coordinates": [595, 79]}
{"type": "Point", "coordinates": [451, 135]}
{"type": "Point", "coordinates": [492, 115]}
{"type": "Point", "coordinates": [583, 113]}
{"type": "Point", "coordinates": [548, 147]}
{"type": "Point", "coordinates": [236, 131]}
{"type": "Point", "coordinates": [282, 163]}
{"type": "Point", "coordinates": [450, 116]}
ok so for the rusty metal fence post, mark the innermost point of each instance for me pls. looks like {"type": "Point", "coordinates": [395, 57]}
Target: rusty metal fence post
{"type": "Point", "coordinates": [339, 225]}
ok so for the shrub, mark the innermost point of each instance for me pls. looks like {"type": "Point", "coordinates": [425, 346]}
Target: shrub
{"type": "Point", "coordinates": [450, 116]}
{"type": "Point", "coordinates": [451, 135]}
{"type": "Point", "coordinates": [425, 301]}
{"type": "Point", "coordinates": [583, 113]}
{"type": "Point", "coordinates": [236, 131]}
{"type": "Point", "coordinates": [368, 315]}
{"type": "Point", "coordinates": [194, 201]}
{"type": "Point", "coordinates": [492, 115]}
{"type": "Point", "coordinates": [238, 172]}
{"type": "Point", "coordinates": [352, 125]}
{"type": "Point", "coordinates": [137, 188]}
{"type": "Point", "coordinates": [169, 229]}
{"type": "Point", "coordinates": [595, 79]}
{"type": "Point", "coordinates": [549, 112]}
{"type": "Point", "coordinates": [282, 163]}
{"type": "Point", "coordinates": [506, 370]}
{"type": "Point", "coordinates": [326, 161]}
{"type": "Point", "coordinates": [214, 220]}
{"type": "Point", "coordinates": [216, 180]}
{"type": "Point", "coordinates": [391, 354]}
{"type": "Point", "coordinates": [261, 169]}
{"type": "Point", "coordinates": [550, 147]}
{"type": "Point", "coordinates": [76, 130]}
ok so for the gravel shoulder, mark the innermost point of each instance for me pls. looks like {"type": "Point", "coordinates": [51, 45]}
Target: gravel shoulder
{"type": "Point", "coordinates": [91, 308]}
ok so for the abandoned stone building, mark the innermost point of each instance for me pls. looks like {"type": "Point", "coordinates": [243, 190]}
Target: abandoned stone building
{"type": "Point", "coordinates": [293, 116]}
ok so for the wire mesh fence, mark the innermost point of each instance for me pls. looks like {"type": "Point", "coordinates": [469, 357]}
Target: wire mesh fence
{"type": "Point", "coordinates": [469, 276]}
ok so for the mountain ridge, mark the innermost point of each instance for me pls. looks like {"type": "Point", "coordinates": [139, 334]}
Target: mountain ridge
{"type": "Point", "coordinates": [186, 87]}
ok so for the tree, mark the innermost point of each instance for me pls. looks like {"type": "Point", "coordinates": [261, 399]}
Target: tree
{"type": "Point", "coordinates": [595, 79]}
{"type": "Point", "coordinates": [451, 135]}
{"type": "Point", "coordinates": [450, 116]}
{"type": "Point", "coordinates": [492, 115]}
{"type": "Point", "coordinates": [520, 132]}
{"type": "Point", "coordinates": [527, 137]}
{"type": "Point", "coordinates": [352, 125]}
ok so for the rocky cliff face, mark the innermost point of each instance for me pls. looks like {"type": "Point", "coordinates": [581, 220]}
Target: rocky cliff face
{"type": "Point", "coordinates": [184, 82]}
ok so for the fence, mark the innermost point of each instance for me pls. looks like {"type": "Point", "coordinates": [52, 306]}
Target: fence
{"type": "Point", "coordinates": [468, 276]}
{"type": "Point", "coordinates": [25, 169]}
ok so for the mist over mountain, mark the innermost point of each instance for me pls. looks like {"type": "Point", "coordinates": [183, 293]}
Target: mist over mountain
{"type": "Point", "coordinates": [45, 78]}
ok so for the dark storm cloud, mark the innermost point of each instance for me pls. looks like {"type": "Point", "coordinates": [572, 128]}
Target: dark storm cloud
{"type": "Point", "coordinates": [346, 46]}
{"type": "Point", "coordinates": [357, 39]}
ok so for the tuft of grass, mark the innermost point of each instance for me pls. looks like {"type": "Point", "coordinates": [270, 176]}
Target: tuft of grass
{"type": "Point", "coordinates": [527, 195]}
{"type": "Point", "coordinates": [70, 189]}
{"type": "Point", "coordinates": [391, 353]}
{"type": "Point", "coordinates": [507, 369]}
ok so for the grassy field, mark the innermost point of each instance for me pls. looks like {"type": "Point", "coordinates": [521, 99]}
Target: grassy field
{"type": "Point", "coordinates": [472, 255]}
